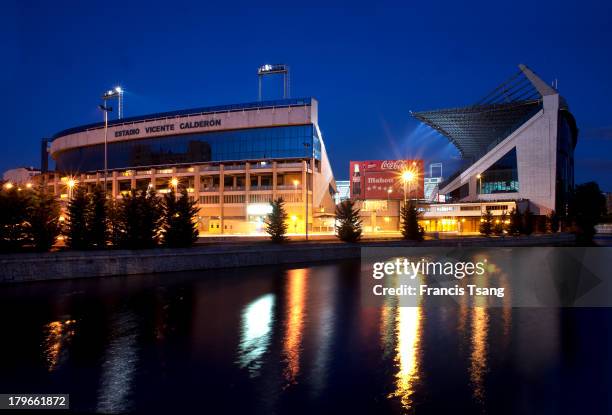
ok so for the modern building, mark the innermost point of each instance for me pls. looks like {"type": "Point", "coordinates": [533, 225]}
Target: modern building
{"type": "Point", "coordinates": [518, 146]}
{"type": "Point", "coordinates": [343, 188]}
{"type": "Point", "coordinates": [380, 187]}
{"type": "Point", "coordinates": [232, 159]}
{"type": "Point", "coordinates": [20, 175]}
{"type": "Point", "coordinates": [432, 182]}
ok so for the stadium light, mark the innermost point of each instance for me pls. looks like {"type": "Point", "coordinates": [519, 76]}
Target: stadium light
{"type": "Point", "coordinates": [271, 69]}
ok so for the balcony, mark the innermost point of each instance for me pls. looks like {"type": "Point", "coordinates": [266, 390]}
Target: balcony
{"type": "Point", "coordinates": [233, 189]}
{"type": "Point", "coordinates": [289, 187]}
{"type": "Point", "coordinates": [209, 189]}
{"type": "Point", "coordinates": [256, 188]}
{"type": "Point", "coordinates": [261, 166]}
{"type": "Point", "coordinates": [209, 168]}
{"type": "Point", "coordinates": [234, 167]}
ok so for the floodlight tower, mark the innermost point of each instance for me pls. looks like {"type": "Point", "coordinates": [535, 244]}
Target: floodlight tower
{"type": "Point", "coordinates": [271, 69]}
{"type": "Point", "coordinates": [116, 92]}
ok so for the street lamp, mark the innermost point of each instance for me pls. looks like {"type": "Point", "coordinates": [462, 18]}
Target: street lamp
{"type": "Point", "coordinates": [479, 177]}
{"type": "Point", "coordinates": [70, 183]}
{"type": "Point", "coordinates": [8, 185]}
{"type": "Point", "coordinates": [106, 110]}
{"type": "Point", "coordinates": [116, 92]}
{"type": "Point", "coordinates": [407, 177]}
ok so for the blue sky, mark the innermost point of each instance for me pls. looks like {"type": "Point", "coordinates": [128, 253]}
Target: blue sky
{"type": "Point", "coordinates": [368, 65]}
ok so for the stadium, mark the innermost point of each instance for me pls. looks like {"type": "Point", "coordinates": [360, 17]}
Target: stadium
{"type": "Point", "coordinates": [232, 159]}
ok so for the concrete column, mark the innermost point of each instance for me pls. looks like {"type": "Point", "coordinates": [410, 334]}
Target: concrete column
{"type": "Point", "coordinates": [304, 184]}
{"type": "Point", "coordinates": [115, 184]}
{"type": "Point", "coordinates": [221, 195]}
{"type": "Point", "coordinates": [247, 188]}
{"type": "Point", "coordinates": [274, 190]}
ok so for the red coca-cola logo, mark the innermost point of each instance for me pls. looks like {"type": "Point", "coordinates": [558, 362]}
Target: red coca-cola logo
{"type": "Point", "coordinates": [393, 165]}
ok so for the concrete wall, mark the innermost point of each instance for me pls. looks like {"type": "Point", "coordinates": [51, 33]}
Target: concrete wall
{"type": "Point", "coordinates": [66, 265]}
{"type": "Point", "coordinates": [536, 151]}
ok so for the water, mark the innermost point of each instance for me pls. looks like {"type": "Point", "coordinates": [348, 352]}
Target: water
{"type": "Point", "coordinates": [293, 340]}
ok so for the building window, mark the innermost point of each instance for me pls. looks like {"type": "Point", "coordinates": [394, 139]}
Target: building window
{"type": "Point", "coordinates": [501, 177]}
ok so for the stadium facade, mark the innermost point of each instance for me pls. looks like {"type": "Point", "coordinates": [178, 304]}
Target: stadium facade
{"type": "Point", "coordinates": [232, 159]}
{"type": "Point", "coordinates": [518, 147]}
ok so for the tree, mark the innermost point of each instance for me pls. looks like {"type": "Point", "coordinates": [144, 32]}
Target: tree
{"type": "Point", "coordinates": [348, 226]}
{"type": "Point", "coordinates": [276, 221]}
{"type": "Point", "coordinates": [411, 230]}
{"type": "Point", "coordinates": [179, 227]}
{"type": "Point", "coordinates": [13, 216]}
{"type": "Point", "coordinates": [587, 209]}
{"type": "Point", "coordinates": [500, 224]}
{"type": "Point", "coordinates": [77, 236]}
{"type": "Point", "coordinates": [97, 218]}
{"type": "Point", "coordinates": [486, 223]}
{"type": "Point", "coordinates": [552, 222]}
{"type": "Point", "coordinates": [516, 221]}
{"type": "Point", "coordinates": [528, 225]}
{"type": "Point", "coordinates": [140, 216]}
{"type": "Point", "coordinates": [43, 219]}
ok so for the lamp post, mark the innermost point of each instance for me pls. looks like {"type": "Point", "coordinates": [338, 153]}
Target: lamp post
{"type": "Point", "coordinates": [407, 178]}
{"type": "Point", "coordinates": [106, 110]}
{"type": "Point", "coordinates": [71, 183]}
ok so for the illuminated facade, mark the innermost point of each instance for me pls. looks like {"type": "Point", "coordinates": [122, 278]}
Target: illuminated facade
{"type": "Point", "coordinates": [518, 144]}
{"type": "Point", "coordinates": [233, 160]}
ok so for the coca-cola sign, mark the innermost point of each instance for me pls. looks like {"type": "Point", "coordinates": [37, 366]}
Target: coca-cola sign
{"type": "Point", "coordinates": [393, 165]}
{"type": "Point", "coordinates": [382, 179]}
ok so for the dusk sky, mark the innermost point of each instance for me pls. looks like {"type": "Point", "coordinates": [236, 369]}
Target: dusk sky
{"type": "Point", "coordinates": [368, 66]}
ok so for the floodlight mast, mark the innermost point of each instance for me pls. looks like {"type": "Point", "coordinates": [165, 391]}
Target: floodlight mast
{"type": "Point", "coordinates": [271, 69]}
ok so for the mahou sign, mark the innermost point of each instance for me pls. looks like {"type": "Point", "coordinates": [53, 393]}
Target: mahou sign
{"type": "Point", "coordinates": [382, 179]}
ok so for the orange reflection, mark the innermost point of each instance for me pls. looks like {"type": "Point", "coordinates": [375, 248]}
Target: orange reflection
{"type": "Point", "coordinates": [296, 293]}
{"type": "Point", "coordinates": [478, 359]}
{"type": "Point", "coordinates": [57, 335]}
{"type": "Point", "coordinates": [409, 326]}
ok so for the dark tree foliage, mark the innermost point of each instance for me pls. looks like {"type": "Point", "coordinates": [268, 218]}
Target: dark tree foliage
{"type": "Point", "coordinates": [528, 222]}
{"type": "Point", "coordinates": [587, 210]}
{"type": "Point", "coordinates": [516, 223]}
{"type": "Point", "coordinates": [97, 218]}
{"type": "Point", "coordinates": [13, 219]}
{"type": "Point", "coordinates": [486, 223]}
{"type": "Point", "coordinates": [77, 236]}
{"type": "Point", "coordinates": [552, 222]}
{"type": "Point", "coordinates": [116, 222]}
{"type": "Point", "coordinates": [43, 219]}
{"type": "Point", "coordinates": [140, 215]}
{"type": "Point", "coordinates": [348, 223]}
{"type": "Point", "coordinates": [500, 224]}
{"type": "Point", "coordinates": [411, 230]}
{"type": "Point", "coordinates": [276, 221]}
{"type": "Point", "coordinates": [180, 214]}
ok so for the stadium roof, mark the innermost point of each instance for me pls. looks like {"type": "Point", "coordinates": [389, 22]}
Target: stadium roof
{"type": "Point", "coordinates": [475, 129]}
{"type": "Point", "coordinates": [289, 102]}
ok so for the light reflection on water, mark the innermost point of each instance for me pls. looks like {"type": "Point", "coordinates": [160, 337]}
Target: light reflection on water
{"type": "Point", "coordinates": [256, 328]}
{"type": "Point", "coordinates": [119, 366]}
{"type": "Point", "coordinates": [281, 341]}
{"type": "Point", "coordinates": [57, 337]}
{"type": "Point", "coordinates": [294, 322]}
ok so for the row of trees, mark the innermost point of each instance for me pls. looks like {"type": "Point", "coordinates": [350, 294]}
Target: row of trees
{"type": "Point", "coordinates": [139, 220]}
{"type": "Point", "coordinates": [31, 218]}
{"type": "Point", "coordinates": [348, 222]}
{"type": "Point", "coordinates": [28, 217]}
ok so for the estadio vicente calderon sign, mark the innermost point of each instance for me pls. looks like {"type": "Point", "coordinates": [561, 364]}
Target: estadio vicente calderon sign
{"type": "Point", "coordinates": [382, 179]}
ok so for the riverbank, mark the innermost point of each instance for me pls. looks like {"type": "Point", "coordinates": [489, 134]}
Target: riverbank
{"type": "Point", "coordinates": [15, 268]}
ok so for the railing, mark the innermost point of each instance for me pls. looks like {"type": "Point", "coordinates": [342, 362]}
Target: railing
{"type": "Point", "coordinates": [256, 188]}
{"type": "Point", "coordinates": [287, 165]}
{"type": "Point", "coordinates": [233, 188]}
{"type": "Point", "coordinates": [210, 189]}
{"type": "Point", "coordinates": [209, 168]}
{"type": "Point", "coordinates": [234, 167]}
{"type": "Point", "coordinates": [288, 187]}
{"type": "Point", "coordinates": [261, 166]}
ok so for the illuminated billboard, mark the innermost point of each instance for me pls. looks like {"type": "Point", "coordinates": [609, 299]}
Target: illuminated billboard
{"type": "Point", "coordinates": [387, 179]}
